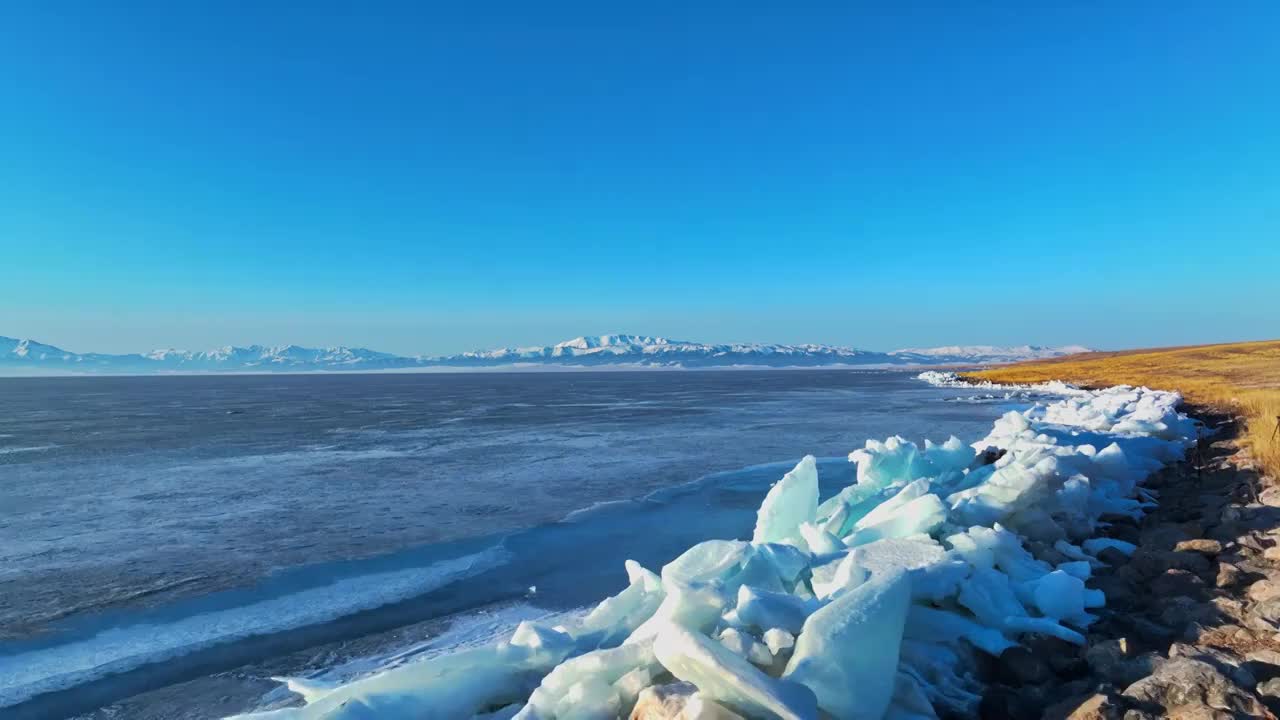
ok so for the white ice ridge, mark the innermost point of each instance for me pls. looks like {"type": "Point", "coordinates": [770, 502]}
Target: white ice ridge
{"type": "Point", "coordinates": [870, 604]}
{"type": "Point", "coordinates": [947, 379]}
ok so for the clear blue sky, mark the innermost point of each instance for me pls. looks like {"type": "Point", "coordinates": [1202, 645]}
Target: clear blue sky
{"type": "Point", "coordinates": [424, 178]}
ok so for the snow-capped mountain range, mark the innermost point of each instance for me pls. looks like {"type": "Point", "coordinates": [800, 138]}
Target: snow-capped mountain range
{"type": "Point", "coordinates": [635, 351]}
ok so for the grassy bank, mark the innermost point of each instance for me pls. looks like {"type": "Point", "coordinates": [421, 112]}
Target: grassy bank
{"type": "Point", "coordinates": [1242, 377]}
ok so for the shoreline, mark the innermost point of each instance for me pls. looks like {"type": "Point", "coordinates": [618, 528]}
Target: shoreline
{"type": "Point", "coordinates": [1116, 437]}
{"type": "Point", "coordinates": [1242, 378]}
{"type": "Point", "coordinates": [515, 369]}
{"type": "Point", "coordinates": [1192, 623]}
{"type": "Point", "coordinates": [252, 687]}
{"type": "Point", "coordinates": [1192, 618]}
{"type": "Point", "coordinates": [1015, 684]}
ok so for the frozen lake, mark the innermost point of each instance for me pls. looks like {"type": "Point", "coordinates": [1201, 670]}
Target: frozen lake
{"type": "Point", "coordinates": [175, 518]}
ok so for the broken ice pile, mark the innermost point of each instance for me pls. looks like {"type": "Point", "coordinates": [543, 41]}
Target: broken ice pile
{"type": "Point", "coordinates": [870, 604]}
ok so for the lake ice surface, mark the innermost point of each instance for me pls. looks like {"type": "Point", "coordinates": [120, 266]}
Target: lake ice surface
{"type": "Point", "coordinates": [153, 518]}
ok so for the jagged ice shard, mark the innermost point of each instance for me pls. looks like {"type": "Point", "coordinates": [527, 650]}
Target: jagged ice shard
{"type": "Point", "coordinates": [871, 604]}
{"type": "Point", "coordinates": [790, 503]}
{"type": "Point", "coordinates": [847, 652]}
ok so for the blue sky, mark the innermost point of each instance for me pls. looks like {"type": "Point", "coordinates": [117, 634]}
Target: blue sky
{"type": "Point", "coordinates": [424, 178]}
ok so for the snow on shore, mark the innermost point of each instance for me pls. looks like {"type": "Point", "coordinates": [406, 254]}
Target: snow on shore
{"type": "Point", "coordinates": [869, 604]}
{"type": "Point", "coordinates": [947, 379]}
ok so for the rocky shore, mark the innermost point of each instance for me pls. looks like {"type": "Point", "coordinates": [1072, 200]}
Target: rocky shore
{"type": "Point", "coordinates": [1191, 628]}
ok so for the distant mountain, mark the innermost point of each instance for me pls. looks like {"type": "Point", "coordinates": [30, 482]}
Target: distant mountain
{"type": "Point", "coordinates": [647, 351]}
{"type": "Point", "coordinates": [280, 357]}
{"type": "Point", "coordinates": [986, 354]}
{"type": "Point", "coordinates": [638, 351]}
{"type": "Point", "coordinates": [28, 355]}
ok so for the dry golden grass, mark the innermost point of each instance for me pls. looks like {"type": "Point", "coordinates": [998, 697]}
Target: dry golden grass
{"type": "Point", "coordinates": [1243, 377]}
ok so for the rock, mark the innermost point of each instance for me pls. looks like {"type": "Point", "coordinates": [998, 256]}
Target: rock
{"type": "Point", "coordinates": [1270, 688]}
{"type": "Point", "coordinates": [1117, 589]}
{"type": "Point", "coordinates": [1211, 504]}
{"type": "Point", "coordinates": [1107, 654]}
{"type": "Point", "coordinates": [1094, 706]}
{"type": "Point", "coordinates": [1153, 563]}
{"type": "Point", "coordinates": [1018, 666]}
{"type": "Point", "coordinates": [1228, 576]}
{"type": "Point", "coordinates": [1264, 590]}
{"type": "Point", "coordinates": [1196, 633]}
{"type": "Point", "coordinates": [1242, 634]}
{"type": "Point", "coordinates": [1204, 546]}
{"type": "Point", "coordinates": [1271, 554]}
{"type": "Point", "coordinates": [1179, 610]}
{"type": "Point", "coordinates": [1115, 661]}
{"type": "Point", "coordinates": [1113, 557]}
{"type": "Point", "coordinates": [1250, 541]}
{"type": "Point", "coordinates": [1229, 664]}
{"type": "Point", "coordinates": [1065, 659]}
{"type": "Point", "coordinates": [663, 702]}
{"type": "Point", "coordinates": [1268, 610]}
{"type": "Point", "coordinates": [1270, 497]}
{"type": "Point", "coordinates": [1229, 607]}
{"type": "Point", "coordinates": [1002, 703]}
{"type": "Point", "coordinates": [1266, 669]}
{"type": "Point", "coordinates": [1188, 687]}
{"type": "Point", "coordinates": [1044, 551]}
{"type": "Point", "coordinates": [1267, 656]}
{"type": "Point", "coordinates": [678, 701]}
{"type": "Point", "coordinates": [1125, 530]}
{"type": "Point", "coordinates": [1177, 582]}
{"type": "Point", "coordinates": [992, 454]}
{"type": "Point", "coordinates": [1225, 531]}
{"type": "Point", "coordinates": [1149, 631]}
{"type": "Point", "coordinates": [1163, 537]}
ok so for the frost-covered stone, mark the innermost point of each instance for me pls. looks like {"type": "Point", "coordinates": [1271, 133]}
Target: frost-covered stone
{"type": "Point", "coordinates": [663, 702]}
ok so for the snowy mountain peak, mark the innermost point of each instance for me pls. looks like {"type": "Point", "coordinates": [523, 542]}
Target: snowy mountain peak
{"type": "Point", "coordinates": [613, 350]}
{"type": "Point", "coordinates": [28, 349]}
{"type": "Point", "coordinates": [987, 354]}
{"type": "Point", "coordinates": [599, 341]}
